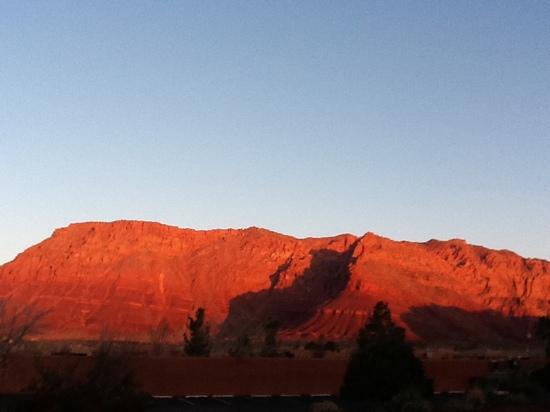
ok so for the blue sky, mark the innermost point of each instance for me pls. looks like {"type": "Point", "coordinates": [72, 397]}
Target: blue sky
{"type": "Point", "coordinates": [415, 120]}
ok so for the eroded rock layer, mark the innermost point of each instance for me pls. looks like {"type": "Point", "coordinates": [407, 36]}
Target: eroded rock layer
{"type": "Point", "coordinates": [127, 276]}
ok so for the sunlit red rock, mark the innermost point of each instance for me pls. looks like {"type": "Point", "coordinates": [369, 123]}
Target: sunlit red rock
{"type": "Point", "coordinates": [127, 276]}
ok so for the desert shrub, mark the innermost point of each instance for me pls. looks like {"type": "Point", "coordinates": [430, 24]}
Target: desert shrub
{"type": "Point", "coordinates": [383, 364]}
{"type": "Point", "coordinates": [319, 348]}
{"type": "Point", "coordinates": [511, 388]}
{"type": "Point", "coordinates": [107, 385]}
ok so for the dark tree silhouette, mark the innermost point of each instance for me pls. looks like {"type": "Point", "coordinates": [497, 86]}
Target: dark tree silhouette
{"type": "Point", "coordinates": [16, 323]}
{"type": "Point", "coordinates": [383, 363]}
{"type": "Point", "coordinates": [198, 341]}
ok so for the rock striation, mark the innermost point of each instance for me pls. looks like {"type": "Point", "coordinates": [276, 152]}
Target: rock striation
{"type": "Point", "coordinates": [128, 276]}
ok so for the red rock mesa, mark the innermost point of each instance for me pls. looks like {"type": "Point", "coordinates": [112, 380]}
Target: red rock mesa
{"type": "Point", "coordinates": [127, 276]}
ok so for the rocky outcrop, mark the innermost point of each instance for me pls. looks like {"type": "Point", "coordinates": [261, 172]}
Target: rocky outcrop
{"type": "Point", "coordinates": [127, 276]}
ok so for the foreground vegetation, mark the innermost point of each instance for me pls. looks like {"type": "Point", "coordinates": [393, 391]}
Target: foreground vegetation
{"type": "Point", "coordinates": [383, 373]}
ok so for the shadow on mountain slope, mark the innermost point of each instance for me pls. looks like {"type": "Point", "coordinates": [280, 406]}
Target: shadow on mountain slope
{"type": "Point", "coordinates": [325, 278]}
{"type": "Point", "coordinates": [452, 325]}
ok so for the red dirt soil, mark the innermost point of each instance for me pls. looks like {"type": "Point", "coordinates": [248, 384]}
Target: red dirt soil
{"type": "Point", "coordinates": [129, 275]}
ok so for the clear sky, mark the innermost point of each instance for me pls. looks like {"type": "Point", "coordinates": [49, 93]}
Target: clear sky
{"type": "Point", "coordinates": [411, 119]}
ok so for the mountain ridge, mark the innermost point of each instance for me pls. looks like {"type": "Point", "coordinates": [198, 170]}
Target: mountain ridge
{"type": "Point", "coordinates": [130, 275]}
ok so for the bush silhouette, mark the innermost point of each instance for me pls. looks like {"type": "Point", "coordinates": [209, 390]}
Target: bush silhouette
{"type": "Point", "coordinates": [319, 348]}
{"type": "Point", "coordinates": [383, 364]}
{"type": "Point", "coordinates": [106, 386]}
{"type": "Point", "coordinates": [16, 323]}
{"type": "Point", "coordinates": [198, 341]}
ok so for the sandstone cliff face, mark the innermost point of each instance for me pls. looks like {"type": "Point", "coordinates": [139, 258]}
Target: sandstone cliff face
{"type": "Point", "coordinates": [127, 276]}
